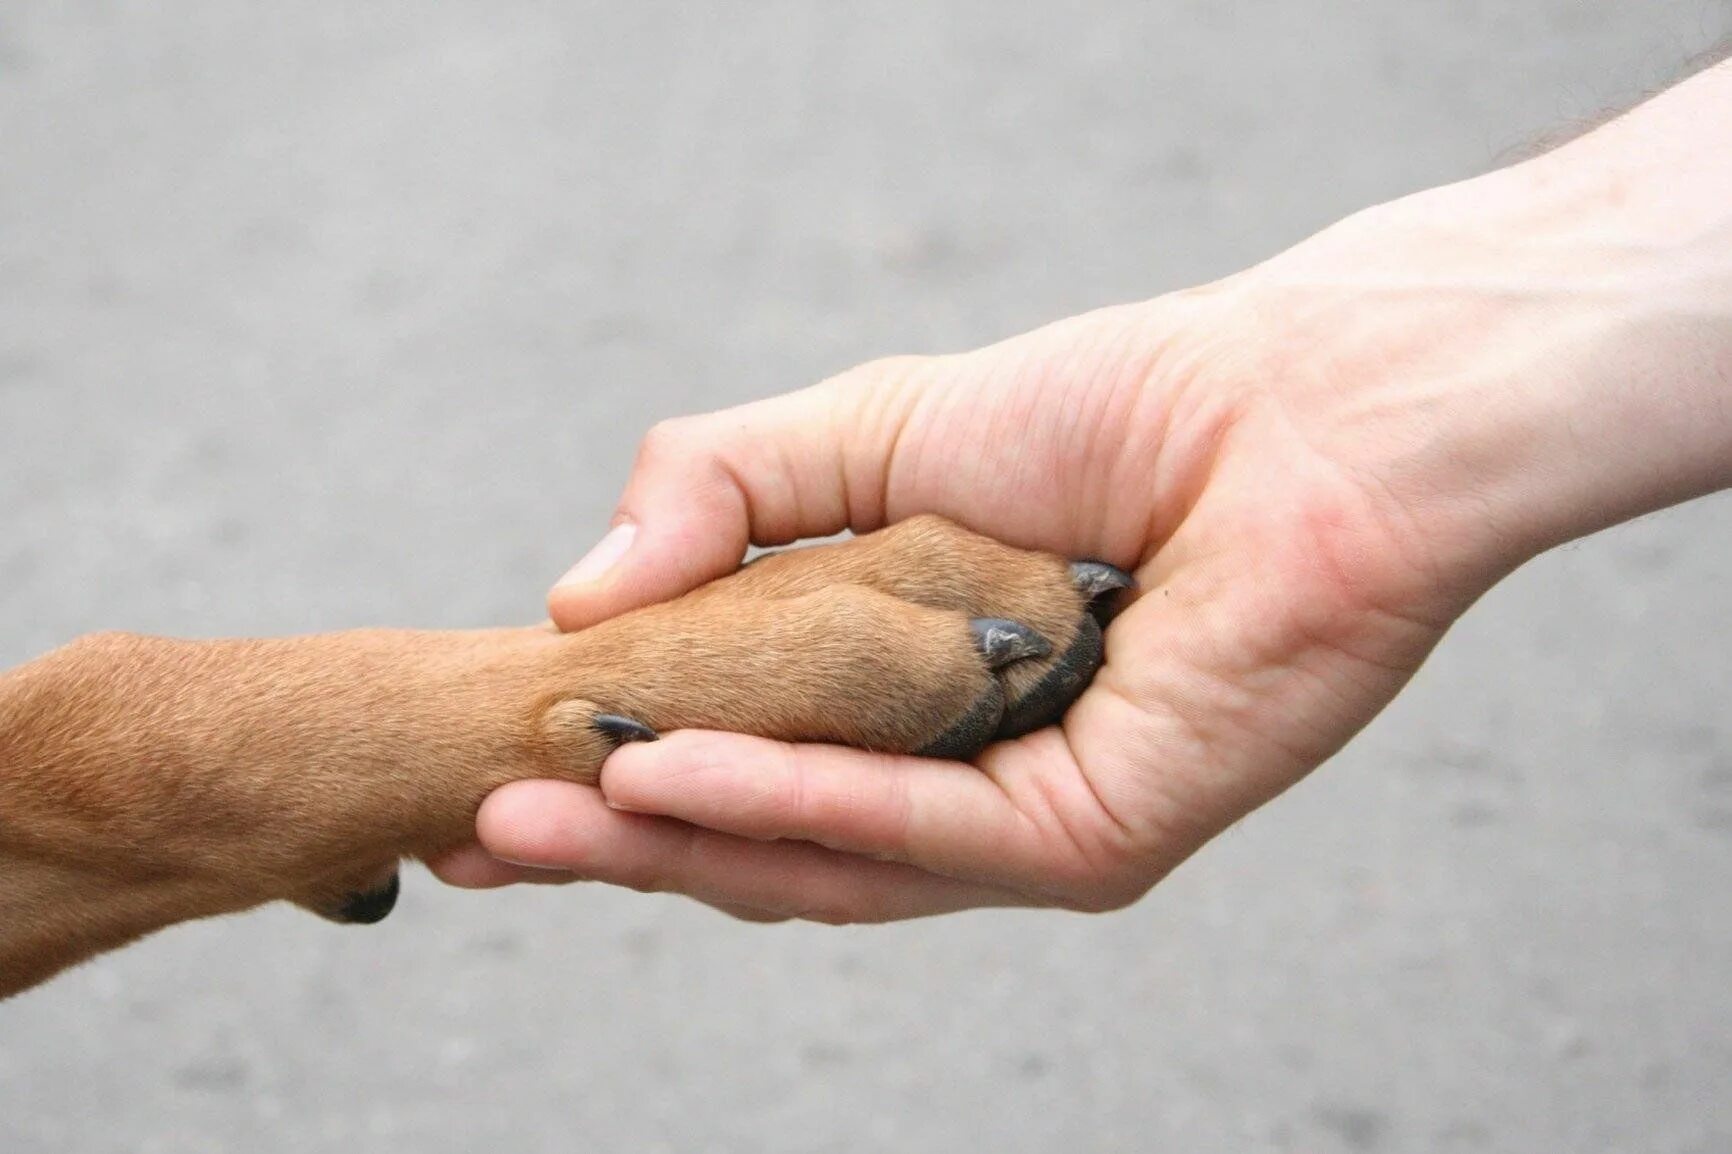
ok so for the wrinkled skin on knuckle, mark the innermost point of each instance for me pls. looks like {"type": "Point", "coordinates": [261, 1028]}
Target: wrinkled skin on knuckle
{"type": "Point", "coordinates": [782, 801]}
{"type": "Point", "coordinates": [670, 442]}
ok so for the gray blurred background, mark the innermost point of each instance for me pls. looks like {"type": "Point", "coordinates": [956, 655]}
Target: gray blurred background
{"type": "Point", "coordinates": [320, 315]}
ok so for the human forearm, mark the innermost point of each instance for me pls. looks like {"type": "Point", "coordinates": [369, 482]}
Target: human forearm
{"type": "Point", "coordinates": [1538, 353]}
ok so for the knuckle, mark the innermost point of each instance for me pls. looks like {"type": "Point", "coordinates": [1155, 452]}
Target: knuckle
{"type": "Point", "coordinates": [700, 455]}
{"type": "Point", "coordinates": [788, 803]}
{"type": "Point", "coordinates": [668, 440]}
{"type": "Point", "coordinates": [891, 372]}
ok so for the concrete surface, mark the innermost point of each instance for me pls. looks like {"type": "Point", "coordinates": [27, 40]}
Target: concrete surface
{"type": "Point", "coordinates": [315, 315]}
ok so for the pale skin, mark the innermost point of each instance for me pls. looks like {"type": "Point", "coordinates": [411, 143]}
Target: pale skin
{"type": "Point", "coordinates": [1313, 468]}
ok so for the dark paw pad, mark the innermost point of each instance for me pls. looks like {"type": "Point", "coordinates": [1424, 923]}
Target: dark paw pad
{"type": "Point", "coordinates": [971, 732]}
{"type": "Point", "coordinates": [364, 909]}
{"type": "Point", "coordinates": [1046, 701]}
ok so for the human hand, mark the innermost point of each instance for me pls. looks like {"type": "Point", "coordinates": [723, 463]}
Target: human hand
{"type": "Point", "coordinates": [1285, 599]}
{"type": "Point", "coordinates": [1312, 468]}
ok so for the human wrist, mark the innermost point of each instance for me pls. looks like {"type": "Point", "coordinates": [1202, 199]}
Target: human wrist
{"type": "Point", "coordinates": [1535, 354]}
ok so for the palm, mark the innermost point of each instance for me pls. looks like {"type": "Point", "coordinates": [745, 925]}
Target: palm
{"type": "Point", "coordinates": [1279, 612]}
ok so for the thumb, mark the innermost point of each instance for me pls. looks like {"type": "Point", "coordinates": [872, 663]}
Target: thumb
{"type": "Point", "coordinates": [703, 488]}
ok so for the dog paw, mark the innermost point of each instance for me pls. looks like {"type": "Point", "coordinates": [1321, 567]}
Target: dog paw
{"type": "Point", "coordinates": [922, 638]}
{"type": "Point", "coordinates": [1045, 690]}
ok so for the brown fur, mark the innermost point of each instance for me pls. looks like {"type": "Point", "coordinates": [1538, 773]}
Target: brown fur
{"type": "Point", "coordinates": [146, 781]}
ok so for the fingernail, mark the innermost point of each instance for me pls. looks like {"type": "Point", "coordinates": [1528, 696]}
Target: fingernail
{"type": "Point", "coordinates": [600, 559]}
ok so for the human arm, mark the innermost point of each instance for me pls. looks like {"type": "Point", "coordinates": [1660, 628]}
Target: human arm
{"type": "Point", "coordinates": [1314, 467]}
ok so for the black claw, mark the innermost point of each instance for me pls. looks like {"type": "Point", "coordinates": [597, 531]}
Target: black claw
{"type": "Point", "coordinates": [1096, 578]}
{"type": "Point", "coordinates": [1098, 581]}
{"type": "Point", "coordinates": [366, 908]}
{"type": "Point", "coordinates": [1002, 642]}
{"type": "Point", "coordinates": [624, 729]}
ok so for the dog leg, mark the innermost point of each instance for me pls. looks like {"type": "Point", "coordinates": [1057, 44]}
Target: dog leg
{"type": "Point", "coordinates": [145, 781]}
